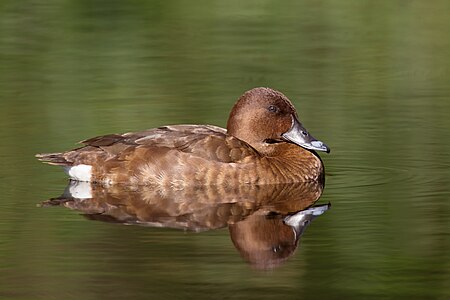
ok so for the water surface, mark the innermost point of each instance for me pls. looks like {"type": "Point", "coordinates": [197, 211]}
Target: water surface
{"type": "Point", "coordinates": [371, 80]}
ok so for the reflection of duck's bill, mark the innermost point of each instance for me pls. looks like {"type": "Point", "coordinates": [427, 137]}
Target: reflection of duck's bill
{"type": "Point", "coordinates": [300, 136]}
{"type": "Point", "coordinates": [300, 220]}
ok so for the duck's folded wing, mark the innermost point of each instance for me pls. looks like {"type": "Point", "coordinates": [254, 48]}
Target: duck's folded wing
{"type": "Point", "coordinates": [205, 141]}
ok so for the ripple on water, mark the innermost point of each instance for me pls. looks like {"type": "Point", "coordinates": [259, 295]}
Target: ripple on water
{"type": "Point", "coordinates": [354, 171]}
{"type": "Point", "coordinates": [425, 175]}
{"type": "Point", "coordinates": [347, 172]}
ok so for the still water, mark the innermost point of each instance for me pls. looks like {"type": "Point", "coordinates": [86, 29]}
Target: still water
{"type": "Point", "coordinates": [370, 79]}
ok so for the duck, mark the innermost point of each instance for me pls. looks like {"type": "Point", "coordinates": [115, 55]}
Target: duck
{"type": "Point", "coordinates": [264, 142]}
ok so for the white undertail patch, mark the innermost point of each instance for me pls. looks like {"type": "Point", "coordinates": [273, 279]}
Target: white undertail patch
{"type": "Point", "coordinates": [79, 172]}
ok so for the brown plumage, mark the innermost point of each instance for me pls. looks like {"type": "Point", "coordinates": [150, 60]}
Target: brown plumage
{"type": "Point", "coordinates": [264, 144]}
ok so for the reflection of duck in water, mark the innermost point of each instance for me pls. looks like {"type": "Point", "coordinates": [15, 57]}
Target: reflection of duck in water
{"type": "Point", "coordinates": [265, 222]}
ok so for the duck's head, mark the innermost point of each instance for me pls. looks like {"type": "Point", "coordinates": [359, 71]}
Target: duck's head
{"type": "Point", "coordinates": [264, 118]}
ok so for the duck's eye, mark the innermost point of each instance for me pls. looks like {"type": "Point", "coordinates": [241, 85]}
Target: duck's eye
{"type": "Point", "coordinates": [276, 248]}
{"type": "Point", "coordinates": [304, 133]}
{"type": "Point", "coordinates": [273, 108]}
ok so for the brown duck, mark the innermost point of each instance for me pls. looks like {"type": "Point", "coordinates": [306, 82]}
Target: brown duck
{"type": "Point", "coordinates": [264, 143]}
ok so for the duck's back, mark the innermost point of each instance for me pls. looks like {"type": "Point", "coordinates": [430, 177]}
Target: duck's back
{"type": "Point", "coordinates": [167, 156]}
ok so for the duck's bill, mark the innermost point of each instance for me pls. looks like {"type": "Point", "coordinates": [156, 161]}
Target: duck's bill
{"type": "Point", "coordinates": [300, 136]}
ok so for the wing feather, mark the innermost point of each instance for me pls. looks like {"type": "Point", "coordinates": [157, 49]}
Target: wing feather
{"type": "Point", "coordinates": [204, 141]}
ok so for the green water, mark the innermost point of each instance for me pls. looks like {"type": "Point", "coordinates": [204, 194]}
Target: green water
{"type": "Point", "coordinates": [371, 79]}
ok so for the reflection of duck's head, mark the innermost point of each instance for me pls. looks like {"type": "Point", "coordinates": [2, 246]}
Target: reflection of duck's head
{"type": "Point", "coordinates": [266, 241]}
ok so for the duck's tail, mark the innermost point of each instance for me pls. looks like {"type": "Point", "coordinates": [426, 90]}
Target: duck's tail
{"type": "Point", "coordinates": [57, 159]}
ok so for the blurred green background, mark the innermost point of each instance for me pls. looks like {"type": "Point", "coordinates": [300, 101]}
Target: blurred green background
{"type": "Point", "coordinates": [369, 78]}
